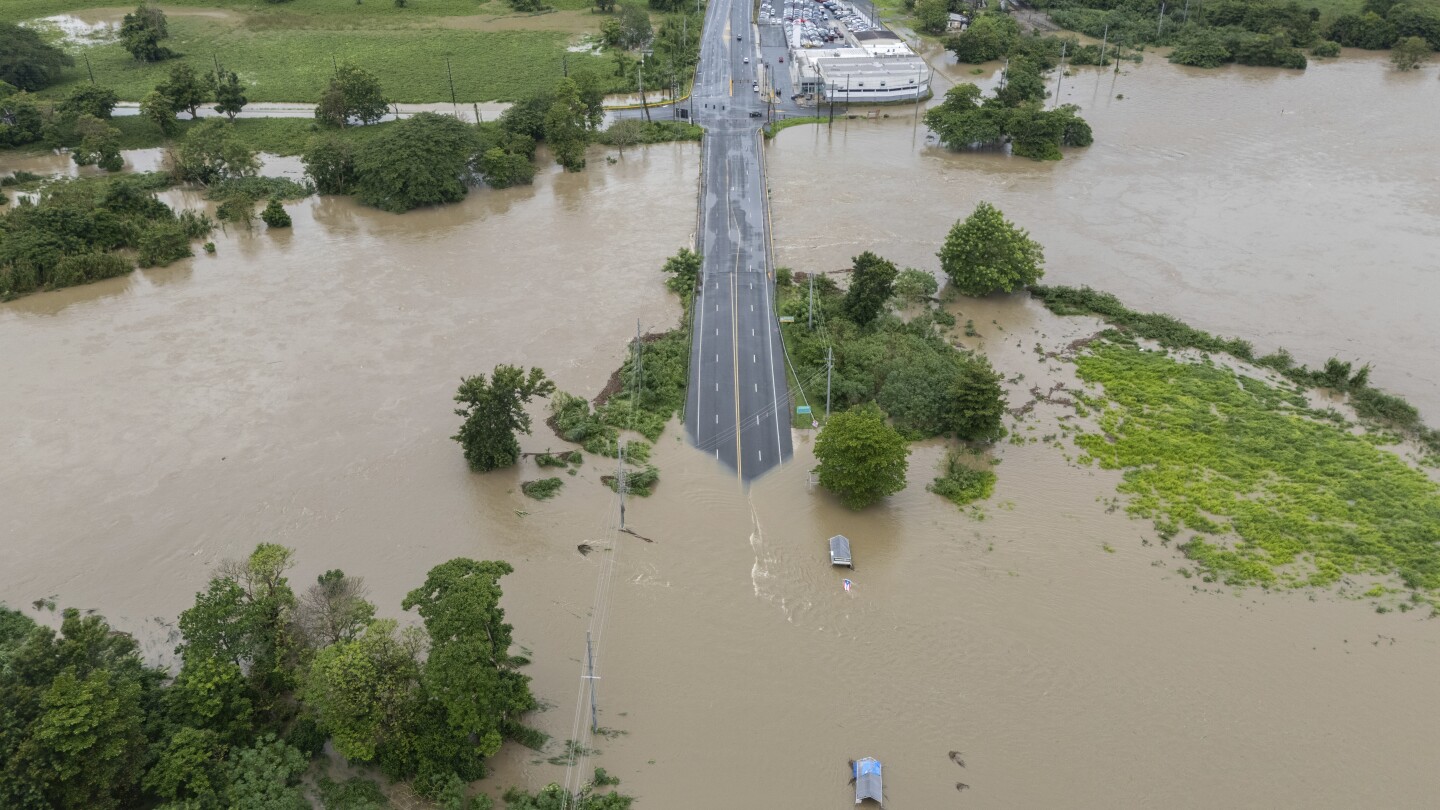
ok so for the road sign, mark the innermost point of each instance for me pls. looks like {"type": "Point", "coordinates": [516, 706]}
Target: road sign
{"type": "Point", "coordinates": [787, 319]}
{"type": "Point", "coordinates": [802, 409]}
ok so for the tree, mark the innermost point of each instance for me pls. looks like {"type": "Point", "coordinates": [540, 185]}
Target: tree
{"type": "Point", "coordinates": [990, 36]}
{"type": "Point", "coordinates": [185, 89]}
{"type": "Point", "coordinates": [229, 93]}
{"type": "Point", "coordinates": [565, 126]}
{"type": "Point", "coordinates": [353, 93]}
{"type": "Point", "coordinates": [862, 459]}
{"type": "Point", "coordinates": [502, 169]}
{"type": "Point", "coordinates": [635, 29]}
{"type": "Point", "coordinates": [141, 32]}
{"type": "Point", "coordinates": [27, 61]}
{"type": "Point", "coordinates": [361, 688]}
{"type": "Point", "coordinates": [266, 776]}
{"type": "Point", "coordinates": [626, 133]}
{"type": "Point", "coordinates": [274, 215]}
{"type": "Point", "coordinates": [684, 271]}
{"type": "Point", "coordinates": [604, 6]}
{"type": "Point", "coordinates": [592, 97]}
{"type": "Point", "coordinates": [975, 402]}
{"type": "Point", "coordinates": [1023, 84]}
{"type": "Point", "coordinates": [160, 109]}
{"type": "Point", "coordinates": [72, 714]}
{"type": "Point", "coordinates": [494, 411]}
{"type": "Point", "coordinates": [330, 162]}
{"type": "Point", "coordinates": [470, 671]}
{"type": "Point", "coordinates": [986, 253]}
{"type": "Point", "coordinates": [422, 160]}
{"type": "Point", "coordinates": [1409, 53]}
{"type": "Point", "coordinates": [914, 286]}
{"type": "Point", "coordinates": [90, 99]}
{"type": "Point", "coordinates": [211, 152]}
{"type": "Point", "coordinates": [334, 609]}
{"type": "Point", "coordinates": [99, 144]}
{"type": "Point", "coordinates": [871, 285]}
{"type": "Point", "coordinates": [244, 618]}
{"type": "Point", "coordinates": [932, 16]}
{"type": "Point", "coordinates": [190, 768]}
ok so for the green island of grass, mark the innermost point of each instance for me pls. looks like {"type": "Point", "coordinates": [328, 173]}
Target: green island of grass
{"type": "Point", "coordinates": [1269, 494]}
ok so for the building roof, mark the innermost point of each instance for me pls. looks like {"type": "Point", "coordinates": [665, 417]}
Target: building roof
{"type": "Point", "coordinates": [868, 784]}
{"type": "Point", "coordinates": [879, 33]}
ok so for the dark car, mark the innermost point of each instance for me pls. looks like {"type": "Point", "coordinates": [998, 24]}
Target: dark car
{"type": "Point", "coordinates": [755, 113]}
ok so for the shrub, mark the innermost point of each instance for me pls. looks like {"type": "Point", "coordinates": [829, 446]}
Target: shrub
{"type": "Point", "coordinates": [274, 215]}
{"type": "Point", "coordinates": [961, 484]}
{"type": "Point", "coordinates": [543, 489]}
{"type": "Point", "coordinates": [1326, 48]}
{"type": "Point", "coordinates": [163, 243]}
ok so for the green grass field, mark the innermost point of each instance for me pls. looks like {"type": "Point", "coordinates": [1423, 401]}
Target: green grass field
{"type": "Point", "coordinates": [17, 10]}
{"type": "Point", "coordinates": [285, 52]}
{"type": "Point", "coordinates": [294, 64]}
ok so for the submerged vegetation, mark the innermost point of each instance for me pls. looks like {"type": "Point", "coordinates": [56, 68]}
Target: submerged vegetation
{"type": "Point", "coordinates": [85, 230]}
{"type": "Point", "coordinates": [1214, 454]}
{"type": "Point", "coordinates": [960, 483]}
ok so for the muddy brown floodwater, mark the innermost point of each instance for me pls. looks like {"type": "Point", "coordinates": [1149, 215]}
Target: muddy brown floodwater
{"type": "Point", "coordinates": [296, 387]}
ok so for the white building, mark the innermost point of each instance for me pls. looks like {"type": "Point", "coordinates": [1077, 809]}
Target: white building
{"type": "Point", "coordinates": [881, 68]}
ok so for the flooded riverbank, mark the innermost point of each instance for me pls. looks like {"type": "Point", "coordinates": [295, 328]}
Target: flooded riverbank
{"type": "Point", "coordinates": [296, 388]}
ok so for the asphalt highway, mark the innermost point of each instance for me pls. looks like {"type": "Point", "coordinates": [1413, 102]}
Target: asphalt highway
{"type": "Point", "coordinates": [738, 402]}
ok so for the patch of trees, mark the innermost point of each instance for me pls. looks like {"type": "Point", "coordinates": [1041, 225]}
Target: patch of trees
{"type": "Point", "coordinates": [267, 676]}
{"type": "Point", "coordinates": [1251, 32]}
{"type": "Point", "coordinates": [73, 233]}
{"type": "Point", "coordinates": [1384, 24]}
{"type": "Point", "coordinates": [1014, 115]}
{"type": "Point", "coordinates": [78, 121]}
{"type": "Point", "coordinates": [27, 62]}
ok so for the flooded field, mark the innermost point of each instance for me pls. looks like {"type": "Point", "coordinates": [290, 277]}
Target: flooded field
{"type": "Point", "coordinates": [296, 388]}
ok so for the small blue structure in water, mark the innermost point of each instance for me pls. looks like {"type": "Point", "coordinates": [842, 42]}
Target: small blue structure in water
{"type": "Point", "coordinates": [868, 784]}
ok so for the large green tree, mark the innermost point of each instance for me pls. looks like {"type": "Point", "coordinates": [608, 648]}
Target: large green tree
{"type": "Point", "coordinates": [211, 152]}
{"type": "Point", "coordinates": [862, 459]}
{"type": "Point", "coordinates": [362, 688]}
{"type": "Point", "coordinates": [186, 89]}
{"type": "Point", "coordinates": [469, 670]}
{"type": "Point", "coordinates": [975, 402]}
{"type": "Point", "coordinates": [422, 160]}
{"type": "Point", "coordinates": [932, 16]}
{"type": "Point", "coordinates": [1409, 53]}
{"type": "Point", "coordinates": [565, 126]}
{"type": "Point", "coordinates": [985, 253]}
{"type": "Point", "coordinates": [72, 715]}
{"type": "Point", "coordinates": [229, 93]}
{"type": "Point", "coordinates": [353, 93]}
{"type": "Point", "coordinates": [494, 411]}
{"type": "Point", "coordinates": [141, 32]}
{"type": "Point", "coordinates": [90, 99]}
{"type": "Point", "coordinates": [330, 161]}
{"type": "Point", "coordinates": [27, 61]}
{"type": "Point", "coordinates": [871, 284]}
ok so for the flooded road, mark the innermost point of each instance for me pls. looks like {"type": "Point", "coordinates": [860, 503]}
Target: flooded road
{"type": "Point", "coordinates": [296, 388]}
{"type": "Point", "coordinates": [1295, 209]}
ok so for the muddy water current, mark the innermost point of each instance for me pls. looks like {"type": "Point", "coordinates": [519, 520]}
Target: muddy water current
{"type": "Point", "coordinates": [295, 388]}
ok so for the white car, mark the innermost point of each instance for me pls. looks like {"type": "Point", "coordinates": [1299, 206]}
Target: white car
{"type": "Point", "coordinates": [746, 60]}
{"type": "Point", "coordinates": [755, 87]}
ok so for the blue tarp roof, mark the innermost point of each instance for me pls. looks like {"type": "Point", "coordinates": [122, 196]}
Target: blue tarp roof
{"type": "Point", "coordinates": [868, 784]}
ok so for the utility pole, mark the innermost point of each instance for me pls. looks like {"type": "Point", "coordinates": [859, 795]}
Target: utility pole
{"type": "Point", "coordinates": [213, 55]}
{"type": "Point", "coordinates": [1060, 73]}
{"type": "Point", "coordinates": [1187, 12]}
{"type": "Point", "coordinates": [451, 77]}
{"type": "Point", "coordinates": [1160, 23]}
{"type": "Point", "coordinates": [88, 70]}
{"type": "Point", "coordinates": [829, 367]}
{"type": "Point", "coordinates": [564, 64]}
{"type": "Point", "coordinates": [1105, 40]}
{"type": "Point", "coordinates": [335, 64]}
{"type": "Point", "coordinates": [590, 659]}
{"type": "Point", "coordinates": [640, 80]}
{"type": "Point", "coordinates": [812, 302]}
